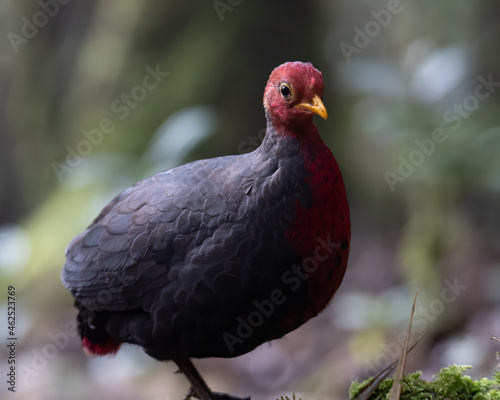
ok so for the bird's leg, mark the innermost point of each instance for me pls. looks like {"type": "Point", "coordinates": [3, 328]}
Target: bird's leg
{"type": "Point", "coordinates": [199, 388]}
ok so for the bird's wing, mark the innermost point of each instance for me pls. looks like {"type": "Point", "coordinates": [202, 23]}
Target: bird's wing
{"type": "Point", "coordinates": [165, 229]}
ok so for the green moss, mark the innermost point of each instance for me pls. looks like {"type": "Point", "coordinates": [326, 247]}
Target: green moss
{"type": "Point", "coordinates": [450, 384]}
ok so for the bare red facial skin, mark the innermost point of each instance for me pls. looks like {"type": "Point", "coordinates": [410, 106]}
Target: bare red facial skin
{"type": "Point", "coordinates": [305, 82]}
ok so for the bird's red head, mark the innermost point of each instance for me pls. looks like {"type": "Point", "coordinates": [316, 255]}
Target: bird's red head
{"type": "Point", "coordinates": [293, 94]}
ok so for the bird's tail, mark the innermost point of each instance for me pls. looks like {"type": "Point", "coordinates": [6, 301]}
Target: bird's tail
{"type": "Point", "coordinates": [95, 340]}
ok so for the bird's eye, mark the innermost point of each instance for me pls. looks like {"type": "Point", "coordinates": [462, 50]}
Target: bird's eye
{"type": "Point", "coordinates": [285, 91]}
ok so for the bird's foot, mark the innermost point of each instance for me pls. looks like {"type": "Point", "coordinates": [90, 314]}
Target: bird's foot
{"type": "Point", "coordinates": [214, 396]}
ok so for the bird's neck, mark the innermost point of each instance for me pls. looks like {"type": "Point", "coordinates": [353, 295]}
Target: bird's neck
{"type": "Point", "coordinates": [295, 136]}
{"type": "Point", "coordinates": [323, 175]}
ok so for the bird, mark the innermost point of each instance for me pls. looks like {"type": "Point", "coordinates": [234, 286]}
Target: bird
{"type": "Point", "coordinates": [217, 256]}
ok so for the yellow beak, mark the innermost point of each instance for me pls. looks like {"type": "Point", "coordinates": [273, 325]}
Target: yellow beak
{"type": "Point", "coordinates": [316, 106]}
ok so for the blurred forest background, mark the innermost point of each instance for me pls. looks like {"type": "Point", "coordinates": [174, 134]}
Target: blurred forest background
{"type": "Point", "coordinates": [413, 92]}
